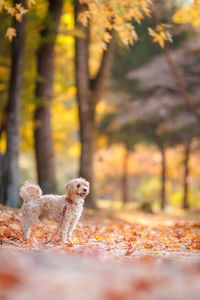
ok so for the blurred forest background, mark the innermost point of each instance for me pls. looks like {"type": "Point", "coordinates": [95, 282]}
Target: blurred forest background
{"type": "Point", "coordinates": [108, 90]}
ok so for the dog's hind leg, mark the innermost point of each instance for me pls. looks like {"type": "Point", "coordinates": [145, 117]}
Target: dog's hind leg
{"type": "Point", "coordinates": [26, 230]}
{"type": "Point", "coordinates": [29, 219]}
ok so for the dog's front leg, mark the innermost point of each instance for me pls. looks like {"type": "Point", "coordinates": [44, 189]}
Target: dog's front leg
{"type": "Point", "coordinates": [64, 230]}
{"type": "Point", "coordinates": [26, 230]}
{"type": "Point", "coordinates": [72, 226]}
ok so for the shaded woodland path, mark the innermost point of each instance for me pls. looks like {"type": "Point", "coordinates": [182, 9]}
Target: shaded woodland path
{"type": "Point", "coordinates": [111, 259]}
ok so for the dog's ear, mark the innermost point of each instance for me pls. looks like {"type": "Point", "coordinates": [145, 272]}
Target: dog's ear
{"type": "Point", "coordinates": [69, 187]}
{"type": "Point", "coordinates": [88, 186]}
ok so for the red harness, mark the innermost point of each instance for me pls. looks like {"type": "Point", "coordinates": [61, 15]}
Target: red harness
{"type": "Point", "coordinates": [68, 201]}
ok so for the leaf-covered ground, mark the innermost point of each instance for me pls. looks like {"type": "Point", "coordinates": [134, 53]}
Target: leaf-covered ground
{"type": "Point", "coordinates": [149, 258]}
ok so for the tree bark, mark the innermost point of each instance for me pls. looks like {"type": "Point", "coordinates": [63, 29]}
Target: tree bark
{"type": "Point", "coordinates": [186, 175]}
{"type": "Point", "coordinates": [98, 83]}
{"type": "Point", "coordinates": [85, 106]}
{"type": "Point", "coordinates": [125, 185]}
{"type": "Point", "coordinates": [10, 176]}
{"type": "Point", "coordinates": [44, 92]}
{"type": "Point", "coordinates": [163, 178]}
{"type": "Point", "coordinates": [89, 92]}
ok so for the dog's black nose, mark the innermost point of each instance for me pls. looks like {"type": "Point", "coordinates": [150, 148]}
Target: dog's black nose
{"type": "Point", "coordinates": [85, 190]}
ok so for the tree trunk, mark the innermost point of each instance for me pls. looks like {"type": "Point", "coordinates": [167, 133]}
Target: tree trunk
{"type": "Point", "coordinates": [125, 185]}
{"type": "Point", "coordinates": [186, 175]}
{"type": "Point", "coordinates": [163, 178]}
{"type": "Point", "coordinates": [44, 92]}
{"type": "Point", "coordinates": [10, 176]}
{"type": "Point", "coordinates": [85, 107]}
{"type": "Point", "coordinates": [89, 93]}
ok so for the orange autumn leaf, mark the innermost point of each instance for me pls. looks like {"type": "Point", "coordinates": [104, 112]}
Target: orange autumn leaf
{"type": "Point", "coordinates": [175, 246]}
{"type": "Point", "coordinates": [10, 33]}
{"type": "Point", "coordinates": [8, 279]}
{"type": "Point", "coordinates": [7, 233]}
{"type": "Point", "coordinates": [98, 237]}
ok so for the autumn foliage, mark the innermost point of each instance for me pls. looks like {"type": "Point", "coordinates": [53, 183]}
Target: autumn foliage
{"type": "Point", "coordinates": [115, 237]}
{"type": "Point", "coordinates": [99, 242]}
{"type": "Point", "coordinates": [140, 135]}
{"type": "Point", "coordinates": [189, 13]}
{"type": "Point", "coordinates": [17, 11]}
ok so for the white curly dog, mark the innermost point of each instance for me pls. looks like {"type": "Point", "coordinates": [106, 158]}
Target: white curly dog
{"type": "Point", "coordinates": [40, 206]}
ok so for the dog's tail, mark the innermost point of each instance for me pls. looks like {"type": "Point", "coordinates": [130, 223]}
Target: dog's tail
{"type": "Point", "coordinates": [30, 190]}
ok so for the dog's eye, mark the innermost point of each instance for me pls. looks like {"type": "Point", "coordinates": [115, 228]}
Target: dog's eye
{"type": "Point", "coordinates": [78, 186]}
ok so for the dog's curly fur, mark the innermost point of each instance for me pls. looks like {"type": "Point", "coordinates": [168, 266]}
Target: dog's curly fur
{"type": "Point", "coordinates": [37, 206]}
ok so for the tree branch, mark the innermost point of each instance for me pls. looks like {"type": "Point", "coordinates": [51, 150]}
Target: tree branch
{"type": "Point", "coordinates": [178, 77]}
{"type": "Point", "coordinates": [98, 83]}
{"type": "Point", "coordinates": [183, 91]}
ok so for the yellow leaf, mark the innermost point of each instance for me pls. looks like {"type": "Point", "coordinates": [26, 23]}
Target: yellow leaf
{"type": "Point", "coordinates": [18, 17]}
{"type": "Point", "coordinates": [31, 2]}
{"type": "Point", "coordinates": [175, 246]}
{"type": "Point", "coordinates": [159, 27]}
{"type": "Point", "coordinates": [134, 34]}
{"type": "Point", "coordinates": [1, 5]}
{"type": "Point", "coordinates": [189, 13]}
{"type": "Point", "coordinates": [11, 10]}
{"type": "Point", "coordinates": [151, 32]}
{"type": "Point", "coordinates": [10, 33]}
{"type": "Point", "coordinates": [159, 37]}
{"type": "Point", "coordinates": [107, 37]}
{"type": "Point", "coordinates": [21, 9]}
{"type": "Point", "coordinates": [98, 237]}
{"type": "Point", "coordinates": [84, 17]}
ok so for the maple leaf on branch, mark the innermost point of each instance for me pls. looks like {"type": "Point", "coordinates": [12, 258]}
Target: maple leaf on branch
{"type": "Point", "coordinates": [160, 35]}
{"type": "Point", "coordinates": [17, 11]}
{"type": "Point", "coordinates": [10, 33]}
{"type": "Point", "coordinates": [30, 3]}
{"type": "Point", "coordinates": [21, 9]}
{"type": "Point", "coordinates": [107, 37]}
{"type": "Point", "coordinates": [116, 14]}
{"type": "Point", "coordinates": [11, 10]}
{"type": "Point", "coordinates": [188, 13]}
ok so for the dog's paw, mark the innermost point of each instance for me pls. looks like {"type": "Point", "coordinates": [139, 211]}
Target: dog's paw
{"type": "Point", "coordinates": [25, 238]}
{"type": "Point", "coordinates": [69, 243]}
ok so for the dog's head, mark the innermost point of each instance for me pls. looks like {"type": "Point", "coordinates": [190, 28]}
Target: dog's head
{"type": "Point", "coordinates": [77, 188]}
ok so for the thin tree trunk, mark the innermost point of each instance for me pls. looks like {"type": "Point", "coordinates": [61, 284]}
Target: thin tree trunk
{"type": "Point", "coordinates": [163, 178]}
{"type": "Point", "coordinates": [2, 155]}
{"type": "Point", "coordinates": [89, 93]}
{"type": "Point", "coordinates": [125, 185]}
{"type": "Point", "coordinates": [10, 176]}
{"type": "Point", "coordinates": [85, 107]}
{"type": "Point", "coordinates": [44, 93]}
{"type": "Point", "coordinates": [186, 175]}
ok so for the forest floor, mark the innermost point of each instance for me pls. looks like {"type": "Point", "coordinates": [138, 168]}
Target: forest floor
{"type": "Point", "coordinates": [145, 258]}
